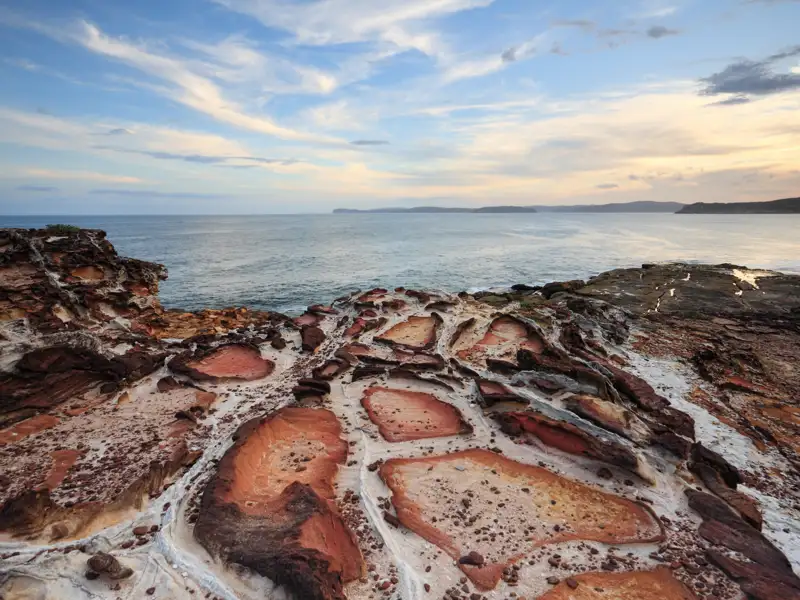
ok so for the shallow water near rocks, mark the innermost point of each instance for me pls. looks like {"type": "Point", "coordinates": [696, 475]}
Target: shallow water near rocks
{"type": "Point", "coordinates": [286, 262]}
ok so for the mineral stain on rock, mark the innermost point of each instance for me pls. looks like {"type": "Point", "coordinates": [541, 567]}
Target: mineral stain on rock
{"type": "Point", "coordinates": [270, 506]}
{"type": "Point", "coordinates": [235, 361]}
{"type": "Point", "coordinates": [403, 415]}
{"type": "Point", "coordinates": [511, 509]}
{"type": "Point", "coordinates": [638, 585]}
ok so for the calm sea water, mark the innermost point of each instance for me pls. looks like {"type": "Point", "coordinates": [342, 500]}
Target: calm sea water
{"type": "Point", "coordinates": [287, 262]}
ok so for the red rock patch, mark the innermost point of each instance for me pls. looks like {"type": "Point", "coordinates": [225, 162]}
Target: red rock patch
{"type": "Point", "coordinates": [23, 429]}
{"type": "Point", "coordinates": [505, 336]}
{"type": "Point", "coordinates": [270, 506]}
{"type": "Point", "coordinates": [403, 415]}
{"type": "Point", "coordinates": [415, 333]}
{"type": "Point", "coordinates": [446, 499]}
{"type": "Point", "coordinates": [228, 362]}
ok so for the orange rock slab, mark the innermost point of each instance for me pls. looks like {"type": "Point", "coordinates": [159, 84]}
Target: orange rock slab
{"type": "Point", "coordinates": [270, 506]}
{"type": "Point", "coordinates": [447, 499]}
{"type": "Point", "coordinates": [23, 429]}
{"type": "Point", "coordinates": [403, 415]}
{"type": "Point", "coordinates": [638, 585]}
{"type": "Point", "coordinates": [296, 445]}
{"type": "Point", "coordinates": [228, 362]}
{"type": "Point", "coordinates": [504, 337]}
{"type": "Point", "coordinates": [415, 333]}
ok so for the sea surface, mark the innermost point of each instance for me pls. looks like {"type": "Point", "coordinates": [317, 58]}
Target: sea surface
{"type": "Point", "coordinates": [287, 262]}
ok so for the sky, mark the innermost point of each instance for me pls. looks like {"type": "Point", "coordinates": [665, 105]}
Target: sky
{"type": "Point", "coordinates": [282, 106]}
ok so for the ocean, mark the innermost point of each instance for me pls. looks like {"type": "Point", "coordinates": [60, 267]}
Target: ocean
{"type": "Point", "coordinates": [286, 262]}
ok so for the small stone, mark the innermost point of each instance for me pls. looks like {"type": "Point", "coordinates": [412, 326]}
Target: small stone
{"type": "Point", "coordinates": [605, 473]}
{"type": "Point", "coordinates": [572, 583]}
{"type": "Point", "coordinates": [473, 558]}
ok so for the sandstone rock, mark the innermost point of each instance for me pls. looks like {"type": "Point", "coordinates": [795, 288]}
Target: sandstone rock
{"type": "Point", "coordinates": [568, 438]}
{"type": "Point", "coordinates": [105, 563]}
{"type": "Point", "coordinates": [422, 487]}
{"type": "Point", "coordinates": [223, 363]}
{"type": "Point", "coordinates": [637, 585]}
{"type": "Point", "coordinates": [290, 530]}
{"type": "Point", "coordinates": [312, 338]}
{"type": "Point", "coordinates": [403, 415]}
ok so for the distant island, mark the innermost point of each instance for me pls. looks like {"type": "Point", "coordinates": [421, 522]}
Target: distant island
{"type": "Point", "coordinates": [784, 206]}
{"type": "Point", "coordinates": [623, 207]}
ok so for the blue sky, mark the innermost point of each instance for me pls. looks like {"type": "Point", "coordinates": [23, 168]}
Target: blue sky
{"type": "Point", "coordinates": [274, 106]}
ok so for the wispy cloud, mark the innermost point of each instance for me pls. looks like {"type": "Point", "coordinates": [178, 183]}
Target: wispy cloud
{"type": "Point", "coordinates": [79, 175]}
{"type": "Point", "coordinates": [656, 9]}
{"type": "Point", "coordinates": [204, 159]}
{"type": "Point", "coordinates": [659, 31]}
{"type": "Point", "coordinates": [181, 80]}
{"type": "Point", "coordinates": [22, 63]}
{"type": "Point", "coordinates": [327, 22]}
{"type": "Point", "coordinates": [36, 188]}
{"type": "Point", "coordinates": [156, 194]}
{"type": "Point", "coordinates": [370, 142]}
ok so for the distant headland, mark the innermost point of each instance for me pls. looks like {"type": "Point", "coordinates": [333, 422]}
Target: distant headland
{"type": "Point", "coordinates": [440, 209]}
{"type": "Point", "coordinates": [784, 206]}
{"type": "Point", "coordinates": [641, 207]}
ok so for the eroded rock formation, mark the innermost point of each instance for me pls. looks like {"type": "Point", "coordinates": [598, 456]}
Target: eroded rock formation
{"type": "Point", "coordinates": [270, 507]}
{"type": "Point", "coordinates": [480, 501]}
{"type": "Point", "coordinates": [397, 444]}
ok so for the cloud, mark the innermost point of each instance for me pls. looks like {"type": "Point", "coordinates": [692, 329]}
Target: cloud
{"type": "Point", "coordinates": [732, 101]}
{"type": "Point", "coordinates": [659, 31]}
{"type": "Point", "coordinates": [119, 131]}
{"type": "Point", "coordinates": [656, 9]}
{"type": "Point", "coordinates": [156, 194]}
{"type": "Point", "coordinates": [369, 142]}
{"type": "Point", "coordinates": [607, 186]}
{"type": "Point", "coordinates": [332, 22]}
{"type": "Point", "coordinates": [36, 188]}
{"type": "Point", "coordinates": [80, 175]}
{"type": "Point", "coordinates": [182, 81]}
{"type": "Point", "coordinates": [757, 78]}
{"type": "Point", "coordinates": [524, 50]}
{"type": "Point", "coordinates": [206, 159]}
{"type": "Point", "coordinates": [584, 24]}
{"type": "Point", "coordinates": [22, 63]}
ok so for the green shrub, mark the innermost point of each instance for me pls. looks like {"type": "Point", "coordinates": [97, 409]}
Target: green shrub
{"type": "Point", "coordinates": [61, 228]}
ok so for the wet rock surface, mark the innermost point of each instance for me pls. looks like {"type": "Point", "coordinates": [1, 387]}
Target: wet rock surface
{"type": "Point", "coordinates": [631, 436]}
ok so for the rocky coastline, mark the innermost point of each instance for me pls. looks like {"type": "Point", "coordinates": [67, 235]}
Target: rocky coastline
{"type": "Point", "coordinates": [635, 436]}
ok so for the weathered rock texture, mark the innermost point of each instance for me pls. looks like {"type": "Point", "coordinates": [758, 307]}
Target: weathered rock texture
{"type": "Point", "coordinates": [397, 444]}
{"type": "Point", "coordinates": [639, 585]}
{"type": "Point", "coordinates": [270, 506]}
{"type": "Point", "coordinates": [447, 499]}
{"type": "Point", "coordinates": [402, 415]}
